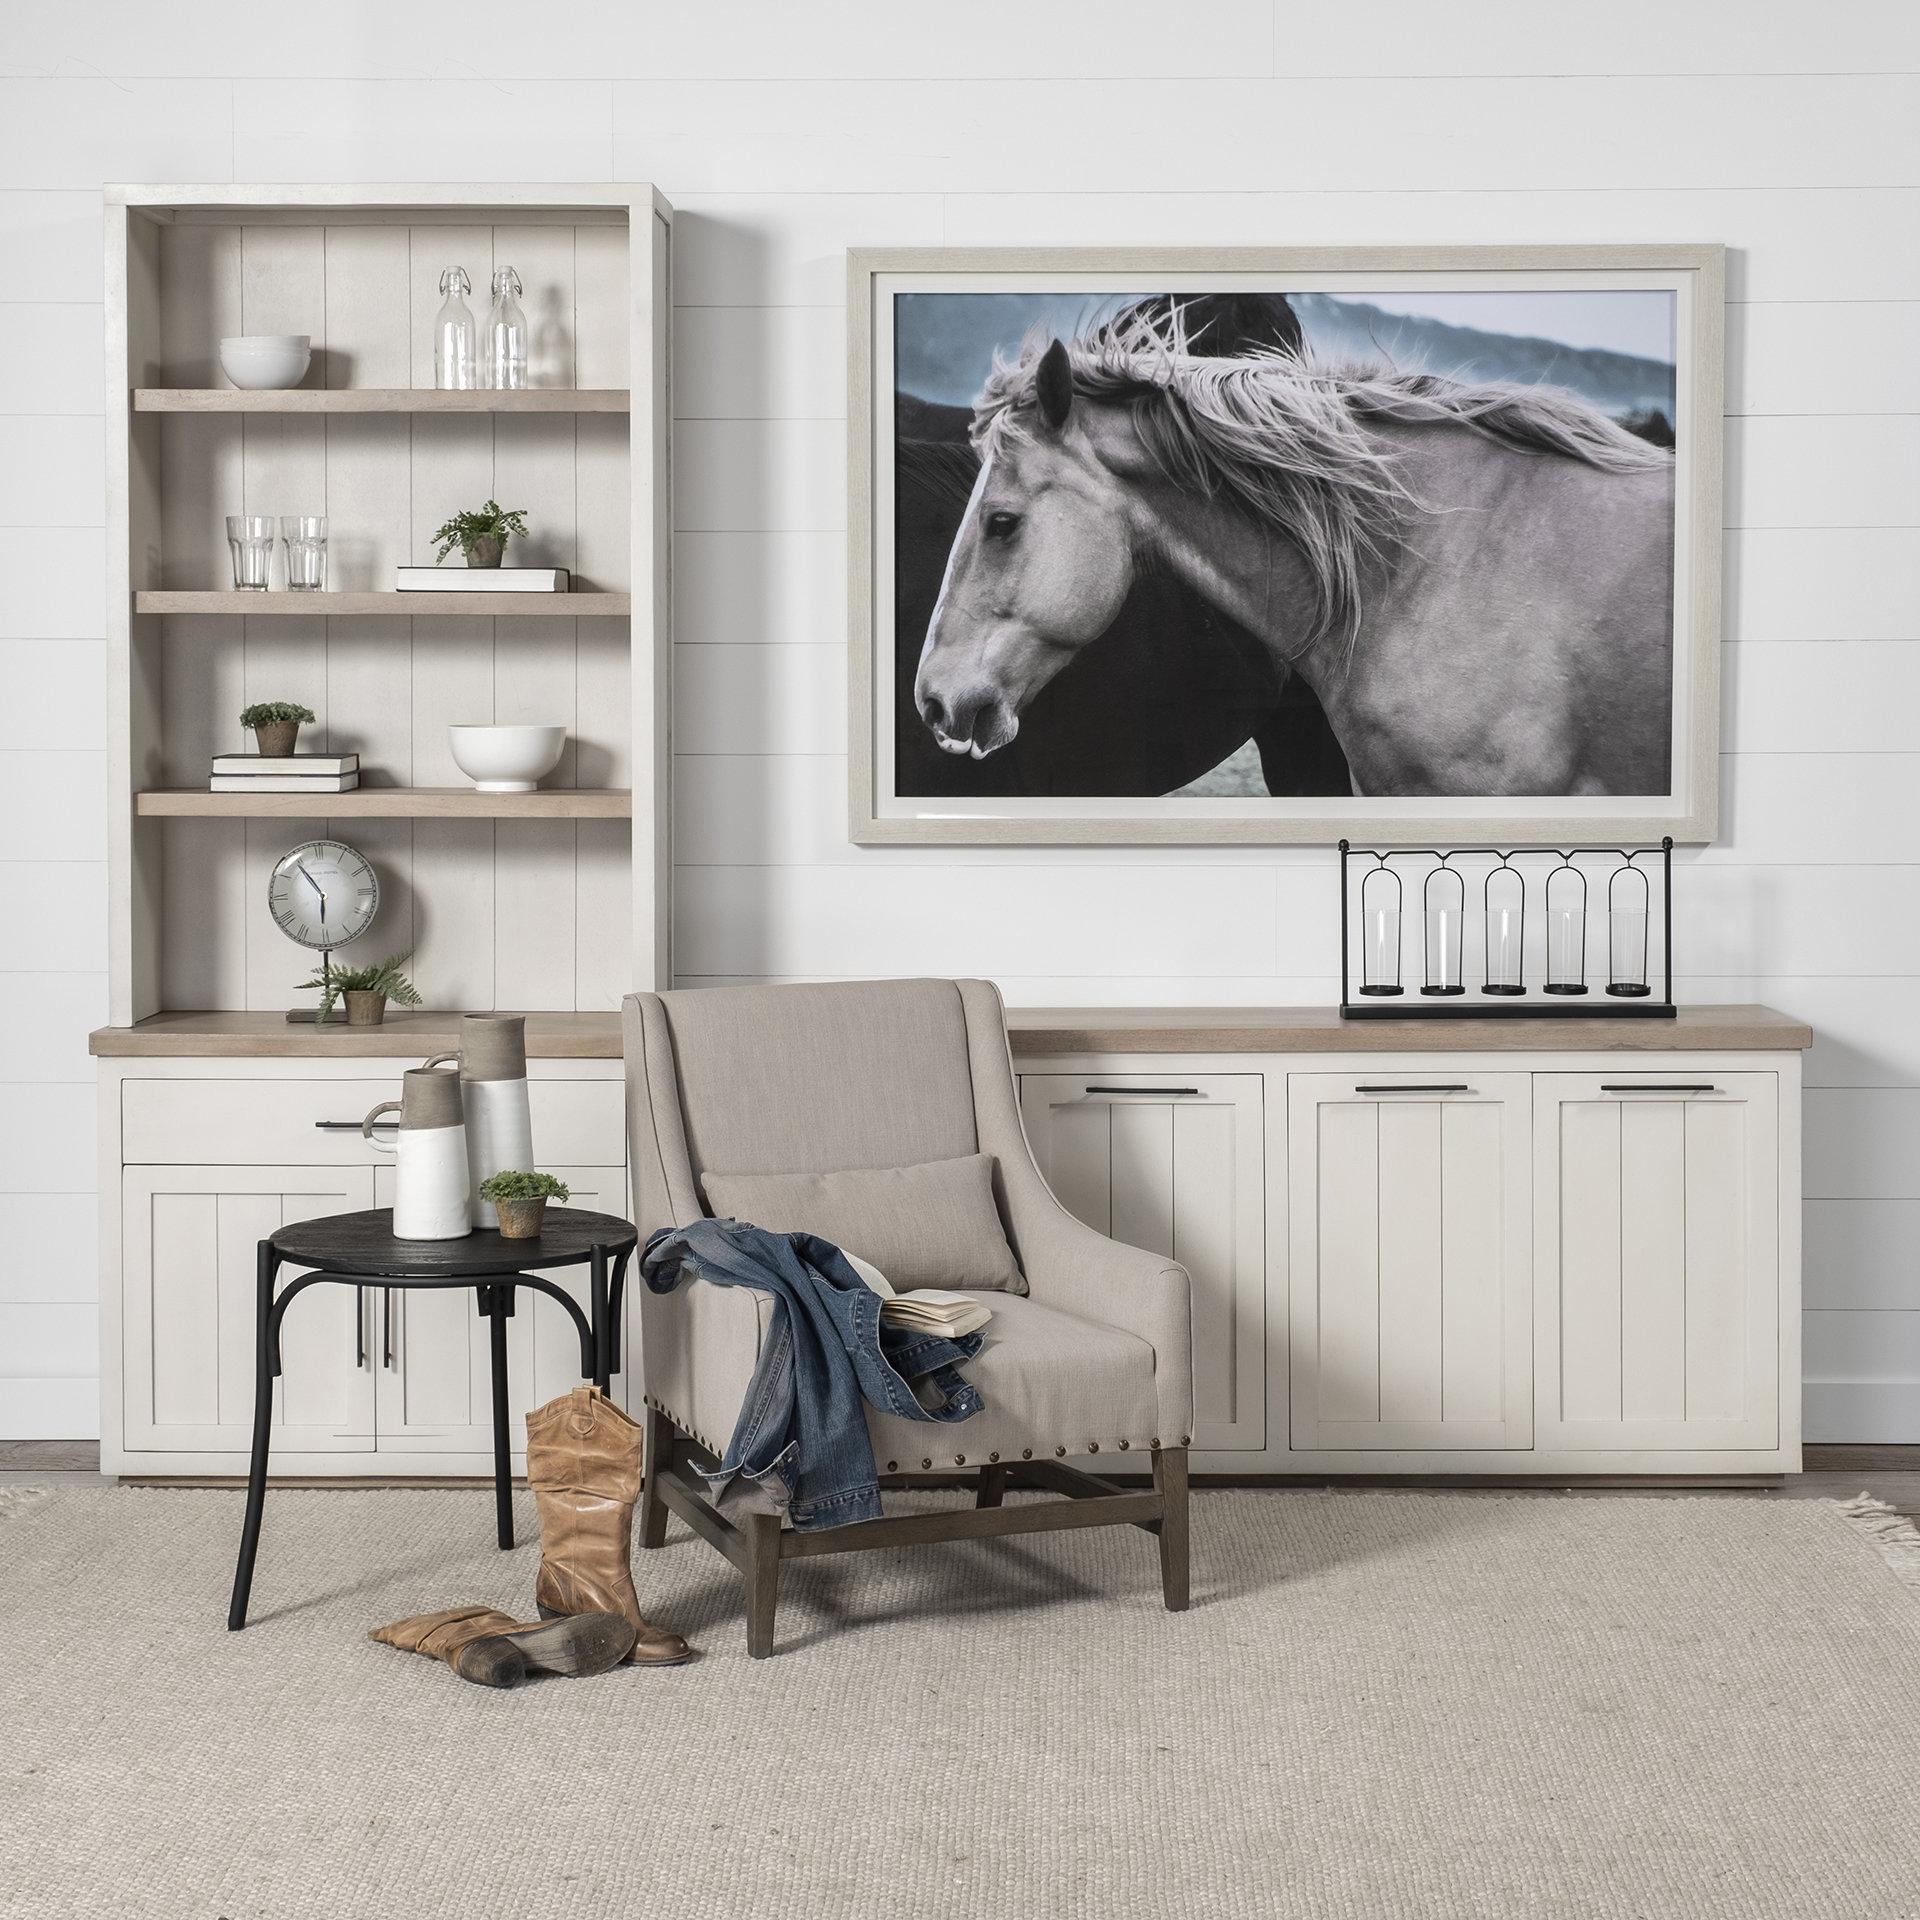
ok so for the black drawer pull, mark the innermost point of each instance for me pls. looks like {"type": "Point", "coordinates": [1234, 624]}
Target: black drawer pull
{"type": "Point", "coordinates": [349, 1126]}
{"type": "Point", "coordinates": [1451, 1086]}
{"type": "Point", "coordinates": [1163, 1090]}
{"type": "Point", "coordinates": [1684, 1086]}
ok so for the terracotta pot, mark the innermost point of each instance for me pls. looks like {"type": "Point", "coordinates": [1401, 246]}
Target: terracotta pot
{"type": "Point", "coordinates": [486, 550]}
{"type": "Point", "coordinates": [365, 1009]}
{"type": "Point", "coordinates": [521, 1219]}
{"type": "Point", "coordinates": [277, 738]}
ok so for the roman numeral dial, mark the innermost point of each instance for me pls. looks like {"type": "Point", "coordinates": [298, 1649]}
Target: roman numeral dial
{"type": "Point", "coordinates": [323, 894]}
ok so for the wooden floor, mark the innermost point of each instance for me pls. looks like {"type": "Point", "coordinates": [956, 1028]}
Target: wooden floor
{"type": "Point", "coordinates": [1891, 1474]}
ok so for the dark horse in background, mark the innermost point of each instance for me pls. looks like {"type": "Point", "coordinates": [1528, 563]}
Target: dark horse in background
{"type": "Point", "coordinates": [1174, 686]}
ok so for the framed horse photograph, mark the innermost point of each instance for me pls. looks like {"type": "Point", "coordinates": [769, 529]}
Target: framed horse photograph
{"type": "Point", "coordinates": [1396, 544]}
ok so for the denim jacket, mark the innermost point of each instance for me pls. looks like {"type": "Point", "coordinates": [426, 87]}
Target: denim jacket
{"type": "Point", "coordinates": [801, 1445]}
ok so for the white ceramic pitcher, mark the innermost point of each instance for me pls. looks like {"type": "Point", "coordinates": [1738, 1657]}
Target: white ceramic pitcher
{"type": "Point", "coordinates": [432, 1185]}
{"type": "Point", "coordinates": [493, 1090]}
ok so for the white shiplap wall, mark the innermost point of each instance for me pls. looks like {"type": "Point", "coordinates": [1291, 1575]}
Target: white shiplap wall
{"type": "Point", "coordinates": [785, 134]}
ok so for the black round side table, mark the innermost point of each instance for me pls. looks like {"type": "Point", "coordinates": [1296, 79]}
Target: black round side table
{"type": "Point", "coordinates": [359, 1250]}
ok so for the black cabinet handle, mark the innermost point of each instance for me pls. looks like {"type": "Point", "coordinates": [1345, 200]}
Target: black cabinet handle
{"type": "Point", "coordinates": [1682, 1086]}
{"type": "Point", "coordinates": [1161, 1090]}
{"type": "Point", "coordinates": [386, 1326]}
{"type": "Point", "coordinates": [359, 1328]}
{"type": "Point", "coordinates": [1451, 1086]}
{"type": "Point", "coordinates": [349, 1126]}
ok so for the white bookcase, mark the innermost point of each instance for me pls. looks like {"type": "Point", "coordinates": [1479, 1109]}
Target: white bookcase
{"type": "Point", "coordinates": [554, 903]}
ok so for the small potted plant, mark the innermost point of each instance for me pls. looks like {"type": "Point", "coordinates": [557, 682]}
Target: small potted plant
{"type": "Point", "coordinates": [367, 989]}
{"type": "Point", "coordinates": [481, 536]}
{"type": "Point", "coordinates": [520, 1199]}
{"type": "Point", "coordinates": [276, 725]}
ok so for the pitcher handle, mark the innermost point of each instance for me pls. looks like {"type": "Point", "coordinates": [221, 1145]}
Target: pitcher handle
{"type": "Point", "coordinates": [366, 1126]}
{"type": "Point", "coordinates": [440, 1060]}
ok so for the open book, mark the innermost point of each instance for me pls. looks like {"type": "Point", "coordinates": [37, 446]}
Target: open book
{"type": "Point", "coordinates": [923, 1309]}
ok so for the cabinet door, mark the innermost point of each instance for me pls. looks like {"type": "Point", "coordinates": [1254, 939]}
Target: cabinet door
{"type": "Point", "coordinates": [1175, 1163]}
{"type": "Point", "coordinates": [433, 1354]}
{"type": "Point", "coordinates": [1656, 1274]}
{"type": "Point", "coordinates": [1408, 1269]}
{"type": "Point", "coordinates": [188, 1305]}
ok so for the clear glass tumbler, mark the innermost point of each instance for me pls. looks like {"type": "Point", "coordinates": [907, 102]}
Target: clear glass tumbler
{"type": "Point", "coordinates": [250, 538]}
{"type": "Point", "coordinates": [306, 538]}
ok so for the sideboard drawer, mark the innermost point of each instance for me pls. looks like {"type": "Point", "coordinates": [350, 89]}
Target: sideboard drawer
{"type": "Point", "coordinates": [577, 1123]}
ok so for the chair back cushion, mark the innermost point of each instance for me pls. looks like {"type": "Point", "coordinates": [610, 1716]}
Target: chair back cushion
{"type": "Point", "coordinates": [816, 1079]}
{"type": "Point", "coordinates": [933, 1225]}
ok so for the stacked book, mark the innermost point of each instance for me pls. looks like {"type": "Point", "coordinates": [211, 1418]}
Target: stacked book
{"type": "Point", "coordinates": [285, 773]}
{"type": "Point", "coordinates": [482, 580]}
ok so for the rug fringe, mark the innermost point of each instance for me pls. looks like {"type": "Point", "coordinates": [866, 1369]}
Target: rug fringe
{"type": "Point", "coordinates": [1891, 1531]}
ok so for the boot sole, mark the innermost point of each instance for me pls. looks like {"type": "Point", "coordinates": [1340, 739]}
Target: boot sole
{"type": "Point", "coordinates": [547, 1613]}
{"type": "Point", "coordinates": [575, 1644]}
{"type": "Point", "coordinates": [493, 1662]}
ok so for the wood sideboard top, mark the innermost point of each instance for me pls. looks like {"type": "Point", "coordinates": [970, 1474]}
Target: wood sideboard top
{"type": "Point", "coordinates": [1040, 1031]}
{"type": "Point", "coordinates": [1036, 1033]}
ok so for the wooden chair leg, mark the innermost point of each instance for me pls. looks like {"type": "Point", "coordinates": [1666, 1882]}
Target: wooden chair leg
{"type": "Point", "coordinates": [653, 1509]}
{"type": "Point", "coordinates": [992, 1488]}
{"type": "Point", "coordinates": [1170, 1479]}
{"type": "Point", "coordinates": [762, 1531]}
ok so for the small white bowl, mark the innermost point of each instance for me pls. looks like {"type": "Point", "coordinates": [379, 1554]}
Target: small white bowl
{"type": "Point", "coordinates": [506, 759]}
{"type": "Point", "coordinates": [264, 361]}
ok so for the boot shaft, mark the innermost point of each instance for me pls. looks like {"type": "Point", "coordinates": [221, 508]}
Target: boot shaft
{"type": "Point", "coordinates": [584, 1443]}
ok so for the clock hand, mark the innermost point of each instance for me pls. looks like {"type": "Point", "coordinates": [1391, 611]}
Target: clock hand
{"type": "Point", "coordinates": [315, 885]}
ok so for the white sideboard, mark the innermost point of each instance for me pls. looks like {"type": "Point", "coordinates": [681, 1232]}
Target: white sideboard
{"type": "Point", "coordinates": [202, 1154]}
{"type": "Point", "coordinates": [1563, 1247]}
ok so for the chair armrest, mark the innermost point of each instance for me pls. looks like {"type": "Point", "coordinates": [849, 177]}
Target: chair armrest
{"type": "Point", "coordinates": [700, 1344]}
{"type": "Point", "coordinates": [1074, 1269]}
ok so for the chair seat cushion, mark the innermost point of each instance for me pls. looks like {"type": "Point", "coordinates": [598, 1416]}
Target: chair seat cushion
{"type": "Point", "coordinates": [934, 1225]}
{"type": "Point", "coordinates": [1052, 1384]}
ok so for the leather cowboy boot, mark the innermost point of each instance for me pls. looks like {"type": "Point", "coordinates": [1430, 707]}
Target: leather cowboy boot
{"type": "Point", "coordinates": [583, 1464]}
{"type": "Point", "coordinates": [492, 1649]}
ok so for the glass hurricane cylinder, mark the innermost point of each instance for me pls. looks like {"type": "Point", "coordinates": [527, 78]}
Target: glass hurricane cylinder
{"type": "Point", "coordinates": [1506, 918]}
{"type": "Point", "coordinates": [250, 540]}
{"type": "Point", "coordinates": [1627, 902]}
{"type": "Point", "coordinates": [1566, 896]}
{"type": "Point", "coordinates": [1445, 904]}
{"type": "Point", "coordinates": [1380, 933]}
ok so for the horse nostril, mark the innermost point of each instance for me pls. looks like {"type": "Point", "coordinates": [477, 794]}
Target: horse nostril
{"type": "Point", "coordinates": [933, 710]}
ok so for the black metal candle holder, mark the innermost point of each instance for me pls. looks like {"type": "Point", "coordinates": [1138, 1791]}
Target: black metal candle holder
{"type": "Point", "coordinates": [1562, 992]}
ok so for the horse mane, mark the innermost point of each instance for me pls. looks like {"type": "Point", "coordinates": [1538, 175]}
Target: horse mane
{"type": "Point", "coordinates": [1286, 437]}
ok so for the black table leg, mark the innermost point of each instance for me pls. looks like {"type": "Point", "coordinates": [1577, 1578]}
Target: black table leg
{"type": "Point", "coordinates": [267, 1263]}
{"type": "Point", "coordinates": [616, 1293]}
{"type": "Point", "coordinates": [602, 1360]}
{"type": "Point", "coordinates": [497, 1304]}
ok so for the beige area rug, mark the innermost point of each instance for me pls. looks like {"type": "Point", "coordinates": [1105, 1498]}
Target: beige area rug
{"type": "Point", "coordinates": [1380, 1705]}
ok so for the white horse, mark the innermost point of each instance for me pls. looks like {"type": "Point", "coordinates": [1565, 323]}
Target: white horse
{"type": "Point", "coordinates": [1475, 579]}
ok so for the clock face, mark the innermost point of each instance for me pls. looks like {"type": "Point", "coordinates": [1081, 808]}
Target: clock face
{"type": "Point", "coordinates": [323, 894]}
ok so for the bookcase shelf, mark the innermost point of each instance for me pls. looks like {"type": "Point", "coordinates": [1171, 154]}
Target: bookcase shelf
{"type": "Point", "coordinates": [382, 400]}
{"type": "Point", "coordinates": [390, 803]}
{"type": "Point", "coordinates": [414, 606]}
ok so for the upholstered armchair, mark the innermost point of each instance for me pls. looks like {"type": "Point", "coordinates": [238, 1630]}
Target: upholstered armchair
{"type": "Point", "coordinates": [1092, 1358]}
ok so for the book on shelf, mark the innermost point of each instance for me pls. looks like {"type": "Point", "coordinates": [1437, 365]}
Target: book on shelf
{"type": "Point", "coordinates": [284, 782]}
{"type": "Point", "coordinates": [481, 579]}
{"type": "Point", "coordinates": [260, 765]}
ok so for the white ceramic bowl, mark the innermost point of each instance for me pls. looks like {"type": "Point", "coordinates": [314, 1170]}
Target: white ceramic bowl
{"type": "Point", "coordinates": [260, 361]}
{"type": "Point", "coordinates": [506, 759]}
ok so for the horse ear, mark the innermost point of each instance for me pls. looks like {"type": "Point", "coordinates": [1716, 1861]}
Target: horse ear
{"type": "Point", "coordinates": [1053, 385]}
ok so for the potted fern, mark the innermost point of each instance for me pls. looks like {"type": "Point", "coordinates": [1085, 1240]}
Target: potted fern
{"type": "Point", "coordinates": [366, 989]}
{"type": "Point", "coordinates": [520, 1199]}
{"type": "Point", "coordinates": [275, 725]}
{"type": "Point", "coordinates": [481, 536]}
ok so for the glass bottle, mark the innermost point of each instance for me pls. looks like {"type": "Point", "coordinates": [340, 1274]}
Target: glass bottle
{"type": "Point", "coordinates": [455, 355]}
{"type": "Point", "coordinates": [503, 359]}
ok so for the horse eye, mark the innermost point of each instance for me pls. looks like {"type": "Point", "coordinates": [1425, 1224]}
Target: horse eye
{"type": "Point", "coordinates": [1002, 526]}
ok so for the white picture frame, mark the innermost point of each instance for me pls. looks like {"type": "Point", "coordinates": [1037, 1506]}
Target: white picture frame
{"type": "Point", "coordinates": [1687, 810]}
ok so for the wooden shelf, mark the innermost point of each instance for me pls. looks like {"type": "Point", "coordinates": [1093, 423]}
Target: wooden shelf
{"type": "Point", "coordinates": [391, 803]}
{"type": "Point", "coordinates": [382, 400]}
{"type": "Point", "coordinates": [413, 606]}
{"type": "Point", "coordinates": [405, 1033]}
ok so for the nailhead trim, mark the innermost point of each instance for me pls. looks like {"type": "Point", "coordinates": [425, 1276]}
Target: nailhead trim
{"type": "Point", "coordinates": [1027, 1453]}
{"type": "Point", "coordinates": [1093, 1446]}
{"type": "Point", "coordinates": [959, 1459]}
{"type": "Point", "coordinates": [1123, 1446]}
{"type": "Point", "coordinates": [993, 1456]}
{"type": "Point", "coordinates": [893, 1466]}
{"type": "Point", "coordinates": [1059, 1453]}
{"type": "Point", "coordinates": [926, 1463]}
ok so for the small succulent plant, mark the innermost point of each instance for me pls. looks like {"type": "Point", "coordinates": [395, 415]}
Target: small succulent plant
{"type": "Point", "coordinates": [524, 1186]}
